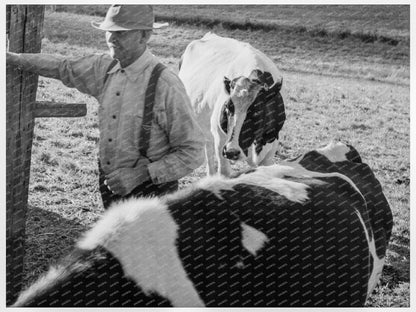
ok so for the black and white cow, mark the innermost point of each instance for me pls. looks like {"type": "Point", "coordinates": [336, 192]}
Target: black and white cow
{"type": "Point", "coordinates": [308, 232]}
{"type": "Point", "coordinates": [235, 93]}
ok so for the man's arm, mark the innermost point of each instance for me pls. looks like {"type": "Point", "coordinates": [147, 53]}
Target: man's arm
{"type": "Point", "coordinates": [46, 65]}
{"type": "Point", "coordinates": [83, 73]}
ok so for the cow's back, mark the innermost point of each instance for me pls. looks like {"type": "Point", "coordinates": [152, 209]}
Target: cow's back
{"type": "Point", "coordinates": [206, 61]}
{"type": "Point", "coordinates": [315, 252]}
{"type": "Point", "coordinates": [278, 236]}
{"type": "Point", "coordinates": [378, 211]}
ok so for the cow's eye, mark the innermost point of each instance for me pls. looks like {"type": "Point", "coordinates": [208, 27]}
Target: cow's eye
{"type": "Point", "coordinates": [256, 81]}
{"type": "Point", "coordinates": [229, 107]}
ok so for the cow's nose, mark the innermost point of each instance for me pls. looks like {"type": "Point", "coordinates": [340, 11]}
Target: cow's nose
{"type": "Point", "coordinates": [232, 154]}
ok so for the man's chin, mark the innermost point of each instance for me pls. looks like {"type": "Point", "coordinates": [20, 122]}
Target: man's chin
{"type": "Point", "coordinates": [113, 53]}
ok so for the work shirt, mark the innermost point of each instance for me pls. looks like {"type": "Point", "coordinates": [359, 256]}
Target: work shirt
{"type": "Point", "coordinates": [176, 144]}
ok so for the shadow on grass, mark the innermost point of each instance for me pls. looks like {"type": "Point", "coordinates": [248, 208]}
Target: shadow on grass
{"type": "Point", "coordinates": [397, 271]}
{"type": "Point", "coordinates": [49, 237]}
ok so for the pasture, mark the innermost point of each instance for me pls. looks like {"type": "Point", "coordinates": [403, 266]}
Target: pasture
{"type": "Point", "coordinates": [334, 87]}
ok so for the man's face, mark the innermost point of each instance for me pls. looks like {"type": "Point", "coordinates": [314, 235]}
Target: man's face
{"type": "Point", "coordinates": [125, 46]}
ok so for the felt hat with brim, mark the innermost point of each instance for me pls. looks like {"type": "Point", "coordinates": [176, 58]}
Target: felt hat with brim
{"type": "Point", "coordinates": [129, 17]}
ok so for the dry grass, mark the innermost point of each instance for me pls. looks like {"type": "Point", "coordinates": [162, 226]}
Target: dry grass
{"type": "Point", "coordinates": [332, 90]}
{"type": "Point", "coordinates": [292, 51]}
{"type": "Point", "coordinates": [368, 22]}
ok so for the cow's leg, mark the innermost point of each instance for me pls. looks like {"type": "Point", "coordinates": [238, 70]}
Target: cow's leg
{"type": "Point", "coordinates": [265, 158]}
{"type": "Point", "coordinates": [224, 167]}
{"type": "Point", "coordinates": [209, 156]}
{"type": "Point", "coordinates": [223, 163]}
{"type": "Point", "coordinates": [219, 139]}
{"type": "Point", "coordinates": [209, 152]}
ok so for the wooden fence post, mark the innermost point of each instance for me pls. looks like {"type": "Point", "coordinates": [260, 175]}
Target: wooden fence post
{"type": "Point", "coordinates": [24, 29]}
{"type": "Point", "coordinates": [25, 24]}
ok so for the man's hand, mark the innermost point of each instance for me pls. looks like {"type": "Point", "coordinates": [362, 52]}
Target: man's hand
{"type": "Point", "coordinates": [12, 58]}
{"type": "Point", "coordinates": [123, 180]}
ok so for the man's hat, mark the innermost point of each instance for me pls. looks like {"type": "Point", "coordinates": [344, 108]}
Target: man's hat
{"type": "Point", "coordinates": [128, 17]}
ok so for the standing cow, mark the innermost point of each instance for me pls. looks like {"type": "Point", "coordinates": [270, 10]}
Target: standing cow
{"type": "Point", "coordinates": [235, 92]}
{"type": "Point", "coordinates": [306, 233]}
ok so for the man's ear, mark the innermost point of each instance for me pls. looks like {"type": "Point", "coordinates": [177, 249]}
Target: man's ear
{"type": "Point", "coordinates": [146, 34]}
{"type": "Point", "coordinates": [227, 83]}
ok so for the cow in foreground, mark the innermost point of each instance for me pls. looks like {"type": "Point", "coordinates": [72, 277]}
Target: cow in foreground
{"type": "Point", "coordinates": [308, 232]}
{"type": "Point", "coordinates": [235, 93]}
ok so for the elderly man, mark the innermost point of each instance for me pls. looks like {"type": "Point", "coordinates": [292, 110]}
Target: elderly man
{"type": "Point", "coordinates": [148, 134]}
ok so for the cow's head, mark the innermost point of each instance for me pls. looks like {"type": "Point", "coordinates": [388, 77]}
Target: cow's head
{"type": "Point", "coordinates": [339, 151]}
{"type": "Point", "coordinates": [254, 113]}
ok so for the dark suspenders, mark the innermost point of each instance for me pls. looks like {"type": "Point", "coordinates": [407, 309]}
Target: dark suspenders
{"type": "Point", "coordinates": [149, 102]}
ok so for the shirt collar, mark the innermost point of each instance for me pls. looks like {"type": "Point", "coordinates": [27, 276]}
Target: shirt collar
{"type": "Point", "coordinates": [138, 66]}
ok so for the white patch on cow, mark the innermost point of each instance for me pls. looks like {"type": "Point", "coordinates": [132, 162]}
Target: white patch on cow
{"type": "Point", "coordinates": [300, 172]}
{"type": "Point", "coordinates": [377, 262]}
{"type": "Point", "coordinates": [293, 191]}
{"type": "Point", "coordinates": [113, 220]}
{"type": "Point", "coordinates": [265, 158]}
{"type": "Point", "coordinates": [239, 265]}
{"type": "Point", "coordinates": [335, 151]}
{"type": "Point", "coordinates": [141, 234]}
{"type": "Point", "coordinates": [45, 281]}
{"type": "Point", "coordinates": [253, 240]}
{"type": "Point", "coordinates": [378, 265]}
{"type": "Point", "coordinates": [273, 178]}
{"type": "Point", "coordinates": [215, 184]}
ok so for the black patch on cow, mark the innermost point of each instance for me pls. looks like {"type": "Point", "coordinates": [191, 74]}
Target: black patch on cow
{"type": "Point", "coordinates": [94, 279]}
{"type": "Point", "coordinates": [227, 84]}
{"type": "Point", "coordinates": [264, 120]}
{"type": "Point", "coordinates": [317, 253]}
{"type": "Point", "coordinates": [265, 78]}
{"type": "Point", "coordinates": [227, 111]}
{"type": "Point", "coordinates": [209, 245]}
{"type": "Point", "coordinates": [353, 155]}
{"type": "Point", "coordinates": [377, 214]}
{"type": "Point", "coordinates": [301, 243]}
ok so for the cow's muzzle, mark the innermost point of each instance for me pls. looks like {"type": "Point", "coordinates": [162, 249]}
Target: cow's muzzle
{"type": "Point", "coordinates": [231, 154]}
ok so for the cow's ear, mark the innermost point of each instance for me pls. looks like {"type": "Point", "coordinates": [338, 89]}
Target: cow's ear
{"type": "Point", "coordinates": [260, 78]}
{"type": "Point", "coordinates": [267, 79]}
{"type": "Point", "coordinates": [227, 84]}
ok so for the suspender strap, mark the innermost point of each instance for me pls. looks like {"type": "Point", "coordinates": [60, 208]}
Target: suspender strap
{"type": "Point", "coordinates": [148, 109]}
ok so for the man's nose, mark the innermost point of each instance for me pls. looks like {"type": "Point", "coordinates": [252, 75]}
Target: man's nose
{"type": "Point", "coordinates": [111, 36]}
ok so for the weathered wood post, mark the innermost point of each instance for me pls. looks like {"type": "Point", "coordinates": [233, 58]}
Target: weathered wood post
{"type": "Point", "coordinates": [24, 29]}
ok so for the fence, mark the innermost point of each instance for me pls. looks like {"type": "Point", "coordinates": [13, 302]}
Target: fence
{"type": "Point", "coordinates": [24, 31]}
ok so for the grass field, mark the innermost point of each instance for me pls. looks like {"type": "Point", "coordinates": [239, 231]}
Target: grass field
{"type": "Point", "coordinates": [369, 21]}
{"type": "Point", "coordinates": [334, 88]}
